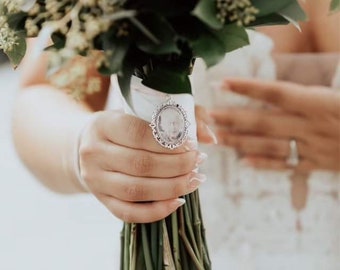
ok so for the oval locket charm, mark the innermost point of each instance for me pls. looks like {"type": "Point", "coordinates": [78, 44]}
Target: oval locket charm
{"type": "Point", "coordinates": [170, 125]}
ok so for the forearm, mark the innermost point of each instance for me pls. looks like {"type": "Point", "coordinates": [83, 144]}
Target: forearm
{"type": "Point", "coordinates": [46, 124]}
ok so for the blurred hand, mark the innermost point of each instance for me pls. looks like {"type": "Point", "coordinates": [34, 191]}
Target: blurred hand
{"type": "Point", "coordinates": [130, 173]}
{"type": "Point", "coordinates": [308, 114]}
{"type": "Point", "coordinates": [203, 120]}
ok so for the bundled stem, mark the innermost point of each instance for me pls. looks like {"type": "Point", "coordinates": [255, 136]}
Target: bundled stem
{"type": "Point", "coordinates": [175, 243]}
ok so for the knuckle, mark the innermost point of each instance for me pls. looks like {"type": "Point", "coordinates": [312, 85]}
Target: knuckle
{"type": "Point", "coordinates": [142, 164]}
{"type": "Point", "coordinates": [137, 129]}
{"type": "Point", "coordinates": [274, 97]}
{"type": "Point", "coordinates": [178, 189]}
{"type": "Point", "coordinates": [272, 148]}
{"type": "Point", "coordinates": [88, 150]}
{"type": "Point", "coordinates": [185, 163]}
{"type": "Point", "coordinates": [135, 192]}
{"type": "Point", "coordinates": [261, 125]}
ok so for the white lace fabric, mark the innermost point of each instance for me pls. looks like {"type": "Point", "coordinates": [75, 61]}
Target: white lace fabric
{"type": "Point", "coordinates": [250, 218]}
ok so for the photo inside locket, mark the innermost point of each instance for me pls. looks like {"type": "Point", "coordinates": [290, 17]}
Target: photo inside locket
{"type": "Point", "coordinates": [170, 124]}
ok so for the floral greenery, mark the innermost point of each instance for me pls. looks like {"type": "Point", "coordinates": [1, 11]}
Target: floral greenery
{"type": "Point", "coordinates": [157, 41]}
{"type": "Point", "coordinates": [134, 33]}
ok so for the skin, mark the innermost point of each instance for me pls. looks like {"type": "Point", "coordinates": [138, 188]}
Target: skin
{"type": "Point", "coordinates": [119, 161]}
{"type": "Point", "coordinates": [308, 113]}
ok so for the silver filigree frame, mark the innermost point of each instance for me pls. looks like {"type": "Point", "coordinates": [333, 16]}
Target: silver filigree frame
{"type": "Point", "coordinates": [156, 125]}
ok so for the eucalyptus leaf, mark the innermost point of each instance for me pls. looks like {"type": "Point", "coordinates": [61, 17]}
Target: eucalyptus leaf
{"type": "Point", "coordinates": [335, 5]}
{"type": "Point", "coordinates": [18, 51]}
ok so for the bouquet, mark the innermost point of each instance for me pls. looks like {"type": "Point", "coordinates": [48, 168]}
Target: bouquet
{"type": "Point", "coordinates": [156, 42]}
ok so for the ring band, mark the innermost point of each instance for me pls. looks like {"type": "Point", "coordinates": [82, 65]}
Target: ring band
{"type": "Point", "coordinates": [293, 158]}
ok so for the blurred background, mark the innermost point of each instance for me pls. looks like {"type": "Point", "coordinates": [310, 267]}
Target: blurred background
{"type": "Point", "coordinates": [39, 229]}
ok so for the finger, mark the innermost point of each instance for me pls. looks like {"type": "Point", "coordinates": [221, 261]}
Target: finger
{"type": "Point", "coordinates": [147, 164]}
{"type": "Point", "coordinates": [205, 134]}
{"type": "Point", "coordinates": [274, 123]}
{"type": "Point", "coordinates": [141, 212]}
{"type": "Point", "coordinates": [132, 132]}
{"type": "Point", "coordinates": [289, 96]}
{"type": "Point", "coordinates": [266, 163]}
{"type": "Point", "coordinates": [258, 145]}
{"type": "Point", "coordinates": [202, 114]}
{"type": "Point", "coordinates": [137, 189]}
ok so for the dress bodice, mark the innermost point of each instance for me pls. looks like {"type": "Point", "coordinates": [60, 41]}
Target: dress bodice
{"type": "Point", "coordinates": [252, 223]}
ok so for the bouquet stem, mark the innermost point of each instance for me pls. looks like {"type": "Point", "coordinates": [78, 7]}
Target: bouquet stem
{"type": "Point", "coordinates": [175, 243]}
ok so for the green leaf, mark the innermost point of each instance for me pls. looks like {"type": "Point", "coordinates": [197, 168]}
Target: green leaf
{"type": "Point", "coordinates": [278, 12]}
{"type": "Point", "coordinates": [293, 13]}
{"type": "Point", "coordinates": [59, 41]}
{"type": "Point", "coordinates": [168, 81]}
{"type": "Point", "coordinates": [233, 37]}
{"type": "Point", "coordinates": [18, 51]}
{"type": "Point", "coordinates": [212, 45]}
{"type": "Point", "coordinates": [335, 5]}
{"type": "Point", "coordinates": [209, 47]}
{"type": "Point", "coordinates": [266, 7]}
{"type": "Point", "coordinates": [115, 50]}
{"type": "Point", "coordinates": [206, 11]}
{"type": "Point", "coordinates": [17, 21]}
{"type": "Point", "coordinates": [124, 81]}
{"type": "Point", "coordinates": [271, 19]}
{"type": "Point", "coordinates": [163, 39]}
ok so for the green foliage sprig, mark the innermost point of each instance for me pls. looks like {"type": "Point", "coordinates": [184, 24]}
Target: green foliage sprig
{"type": "Point", "coordinates": [158, 39]}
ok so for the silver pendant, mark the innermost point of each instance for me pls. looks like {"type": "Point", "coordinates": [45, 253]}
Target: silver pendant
{"type": "Point", "coordinates": [170, 125]}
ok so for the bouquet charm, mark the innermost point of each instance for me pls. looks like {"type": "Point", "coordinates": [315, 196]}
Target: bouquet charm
{"type": "Point", "coordinates": [170, 124]}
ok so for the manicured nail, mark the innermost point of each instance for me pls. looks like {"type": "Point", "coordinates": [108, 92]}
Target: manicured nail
{"type": "Point", "coordinates": [212, 135]}
{"type": "Point", "coordinates": [196, 180]}
{"type": "Point", "coordinates": [226, 85]}
{"type": "Point", "coordinates": [178, 202]}
{"type": "Point", "coordinates": [190, 145]}
{"type": "Point", "coordinates": [201, 158]}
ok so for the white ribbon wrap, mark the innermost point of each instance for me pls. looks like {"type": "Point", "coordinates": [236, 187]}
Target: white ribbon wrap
{"type": "Point", "coordinates": [144, 102]}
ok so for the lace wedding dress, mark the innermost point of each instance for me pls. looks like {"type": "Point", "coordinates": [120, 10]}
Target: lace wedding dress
{"type": "Point", "coordinates": [265, 220]}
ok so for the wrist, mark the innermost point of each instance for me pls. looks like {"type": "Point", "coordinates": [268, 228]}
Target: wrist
{"type": "Point", "coordinates": [74, 167]}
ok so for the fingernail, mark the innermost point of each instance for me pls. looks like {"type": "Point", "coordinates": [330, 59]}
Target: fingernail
{"type": "Point", "coordinates": [178, 202]}
{"type": "Point", "coordinates": [201, 158]}
{"type": "Point", "coordinates": [212, 135]}
{"type": "Point", "coordinates": [226, 86]}
{"type": "Point", "coordinates": [196, 180]}
{"type": "Point", "coordinates": [190, 145]}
